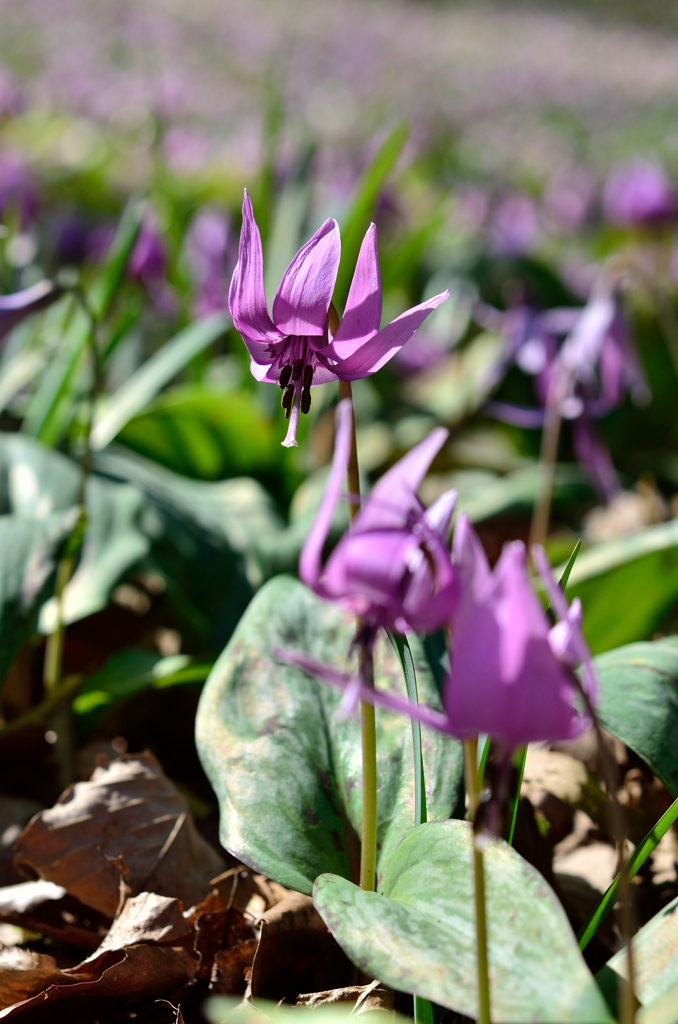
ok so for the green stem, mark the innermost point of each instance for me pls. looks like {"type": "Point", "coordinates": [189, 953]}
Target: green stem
{"type": "Point", "coordinates": [402, 649]}
{"type": "Point", "coordinates": [633, 866]}
{"type": "Point", "coordinates": [473, 789]}
{"type": "Point", "coordinates": [368, 848]}
{"type": "Point", "coordinates": [547, 465]}
{"type": "Point", "coordinates": [519, 758]}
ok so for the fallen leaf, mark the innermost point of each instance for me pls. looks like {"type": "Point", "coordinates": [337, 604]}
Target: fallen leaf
{"type": "Point", "coordinates": [296, 948]}
{"type": "Point", "coordinates": [23, 973]}
{"type": "Point", "coordinates": [148, 952]}
{"type": "Point", "coordinates": [47, 908]}
{"type": "Point", "coordinates": [365, 998]}
{"type": "Point", "coordinates": [128, 819]}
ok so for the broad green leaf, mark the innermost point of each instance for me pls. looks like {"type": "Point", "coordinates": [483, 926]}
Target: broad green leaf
{"type": "Point", "coordinates": [483, 495]}
{"type": "Point", "coordinates": [627, 585]}
{"type": "Point", "coordinates": [655, 958]}
{"type": "Point", "coordinates": [269, 740]}
{"type": "Point", "coordinates": [51, 407]}
{"type": "Point", "coordinates": [418, 935]}
{"type": "Point", "coordinates": [127, 673]}
{"type": "Point", "coordinates": [156, 372]}
{"type": "Point", "coordinates": [355, 222]}
{"type": "Point", "coordinates": [29, 550]}
{"type": "Point", "coordinates": [639, 703]}
{"type": "Point", "coordinates": [36, 481]}
{"type": "Point", "coordinates": [204, 433]}
{"type": "Point", "coordinates": [660, 1011]}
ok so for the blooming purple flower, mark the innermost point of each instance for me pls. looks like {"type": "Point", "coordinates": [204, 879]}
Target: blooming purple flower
{"type": "Point", "coordinates": [511, 671]}
{"type": "Point", "coordinates": [302, 346]}
{"type": "Point", "coordinates": [15, 307]}
{"type": "Point", "coordinates": [638, 194]}
{"type": "Point", "coordinates": [392, 568]}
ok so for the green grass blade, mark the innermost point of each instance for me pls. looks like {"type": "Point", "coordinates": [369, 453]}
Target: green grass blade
{"type": "Point", "coordinates": [135, 394]}
{"type": "Point", "coordinates": [356, 221]}
{"type": "Point", "coordinates": [519, 758]}
{"type": "Point", "coordinates": [633, 865]}
{"type": "Point", "coordinates": [562, 582]}
{"type": "Point", "coordinates": [402, 649]}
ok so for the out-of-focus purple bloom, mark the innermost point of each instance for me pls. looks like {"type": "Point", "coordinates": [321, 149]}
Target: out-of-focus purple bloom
{"type": "Point", "coordinates": [639, 194]}
{"type": "Point", "coordinates": [71, 240]}
{"type": "Point", "coordinates": [393, 567]}
{"type": "Point", "coordinates": [514, 225]}
{"type": "Point", "coordinates": [569, 199]}
{"type": "Point", "coordinates": [208, 251]}
{"type": "Point", "coordinates": [99, 241]}
{"type": "Point", "coordinates": [298, 348]}
{"type": "Point", "coordinates": [511, 671]}
{"type": "Point", "coordinates": [16, 307]}
{"type": "Point", "coordinates": [11, 100]}
{"type": "Point", "coordinates": [148, 266]}
{"type": "Point", "coordinates": [17, 189]}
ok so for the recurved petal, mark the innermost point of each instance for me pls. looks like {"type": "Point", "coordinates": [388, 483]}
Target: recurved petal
{"type": "Point", "coordinates": [17, 305]}
{"type": "Point", "coordinates": [305, 292]}
{"type": "Point", "coordinates": [246, 298]}
{"type": "Point", "coordinates": [376, 352]}
{"type": "Point", "coordinates": [362, 314]}
{"type": "Point", "coordinates": [439, 515]}
{"type": "Point", "coordinates": [392, 502]}
{"type": "Point", "coordinates": [310, 562]}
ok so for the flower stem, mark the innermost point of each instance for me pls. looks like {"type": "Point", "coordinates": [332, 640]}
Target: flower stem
{"type": "Point", "coordinates": [473, 789]}
{"type": "Point", "coordinates": [368, 848]}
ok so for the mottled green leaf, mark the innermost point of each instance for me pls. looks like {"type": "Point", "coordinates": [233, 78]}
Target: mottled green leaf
{"type": "Point", "coordinates": [655, 959]}
{"type": "Point", "coordinates": [286, 772]}
{"type": "Point", "coordinates": [639, 704]}
{"type": "Point", "coordinates": [419, 934]}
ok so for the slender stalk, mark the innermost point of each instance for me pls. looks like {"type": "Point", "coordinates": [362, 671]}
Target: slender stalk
{"type": "Point", "coordinates": [473, 789]}
{"type": "Point", "coordinates": [519, 758]}
{"type": "Point", "coordinates": [547, 464]}
{"type": "Point", "coordinates": [368, 848]}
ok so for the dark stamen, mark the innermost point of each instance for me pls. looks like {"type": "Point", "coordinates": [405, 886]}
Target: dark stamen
{"type": "Point", "coordinates": [305, 401]}
{"type": "Point", "coordinates": [296, 369]}
{"type": "Point", "coordinates": [285, 375]}
{"type": "Point", "coordinates": [308, 376]}
{"type": "Point", "coordinates": [287, 400]}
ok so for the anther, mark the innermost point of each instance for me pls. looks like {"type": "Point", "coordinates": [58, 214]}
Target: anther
{"type": "Point", "coordinates": [287, 400]}
{"type": "Point", "coordinates": [305, 401]}
{"type": "Point", "coordinates": [308, 375]}
{"type": "Point", "coordinates": [297, 368]}
{"type": "Point", "coordinates": [285, 375]}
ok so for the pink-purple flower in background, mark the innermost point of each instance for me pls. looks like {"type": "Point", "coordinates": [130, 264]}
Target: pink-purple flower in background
{"type": "Point", "coordinates": [639, 194]}
{"type": "Point", "coordinates": [299, 346]}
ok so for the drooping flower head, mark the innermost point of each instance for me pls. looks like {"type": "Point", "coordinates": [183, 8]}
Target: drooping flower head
{"type": "Point", "coordinates": [639, 194]}
{"type": "Point", "coordinates": [393, 567]}
{"type": "Point", "coordinates": [302, 344]}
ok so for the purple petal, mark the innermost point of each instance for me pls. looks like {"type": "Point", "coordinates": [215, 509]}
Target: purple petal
{"type": "Point", "coordinates": [362, 314]}
{"type": "Point", "coordinates": [303, 299]}
{"type": "Point", "coordinates": [439, 515]}
{"type": "Point", "coordinates": [367, 570]}
{"type": "Point", "coordinates": [376, 352]}
{"type": "Point", "coordinates": [392, 500]}
{"type": "Point", "coordinates": [310, 562]}
{"type": "Point", "coordinates": [246, 298]}
{"type": "Point", "coordinates": [469, 558]}
{"type": "Point", "coordinates": [341, 681]}
{"type": "Point", "coordinates": [14, 307]}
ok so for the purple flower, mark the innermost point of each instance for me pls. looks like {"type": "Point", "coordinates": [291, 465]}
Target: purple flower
{"type": "Point", "coordinates": [514, 226]}
{"type": "Point", "coordinates": [15, 307]}
{"type": "Point", "coordinates": [511, 671]}
{"type": "Point", "coordinates": [208, 249]}
{"type": "Point", "coordinates": [301, 346]}
{"type": "Point", "coordinates": [393, 567]}
{"type": "Point", "coordinates": [638, 194]}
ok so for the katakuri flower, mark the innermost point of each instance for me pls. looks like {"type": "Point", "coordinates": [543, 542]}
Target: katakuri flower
{"type": "Point", "coordinates": [303, 344]}
{"type": "Point", "coordinates": [512, 672]}
{"type": "Point", "coordinates": [393, 567]}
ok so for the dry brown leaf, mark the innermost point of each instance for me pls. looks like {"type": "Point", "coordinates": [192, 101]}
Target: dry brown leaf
{"type": "Point", "coordinates": [128, 818]}
{"type": "Point", "coordinates": [365, 998]}
{"type": "Point", "coordinates": [47, 908]}
{"type": "Point", "coordinates": [23, 973]}
{"type": "Point", "coordinates": [147, 953]}
{"type": "Point", "coordinates": [295, 947]}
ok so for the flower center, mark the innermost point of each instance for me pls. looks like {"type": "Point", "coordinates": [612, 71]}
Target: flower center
{"type": "Point", "coordinates": [297, 375]}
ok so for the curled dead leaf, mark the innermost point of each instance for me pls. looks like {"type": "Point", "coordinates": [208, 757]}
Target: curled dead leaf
{"type": "Point", "coordinates": [128, 818]}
